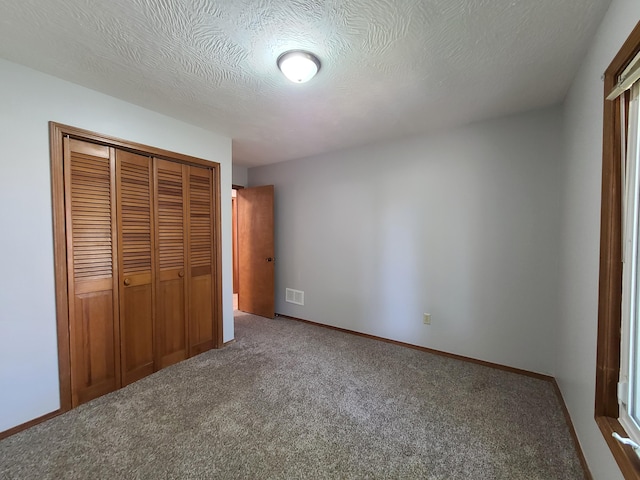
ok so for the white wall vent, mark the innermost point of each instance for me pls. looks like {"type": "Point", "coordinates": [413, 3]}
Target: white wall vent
{"type": "Point", "coordinates": [295, 296]}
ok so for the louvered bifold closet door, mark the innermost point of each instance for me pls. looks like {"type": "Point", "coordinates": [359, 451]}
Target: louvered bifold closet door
{"type": "Point", "coordinates": [91, 269]}
{"type": "Point", "coordinates": [201, 260]}
{"type": "Point", "coordinates": [171, 307]}
{"type": "Point", "coordinates": [136, 239]}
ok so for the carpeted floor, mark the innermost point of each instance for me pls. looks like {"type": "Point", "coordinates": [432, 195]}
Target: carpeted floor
{"type": "Point", "coordinates": [292, 400]}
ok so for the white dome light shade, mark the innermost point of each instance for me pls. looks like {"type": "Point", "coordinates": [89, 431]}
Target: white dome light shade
{"type": "Point", "coordinates": [298, 66]}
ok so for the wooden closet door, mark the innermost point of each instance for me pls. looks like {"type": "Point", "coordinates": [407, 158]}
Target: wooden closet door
{"type": "Point", "coordinates": [91, 268]}
{"type": "Point", "coordinates": [171, 232]}
{"type": "Point", "coordinates": [200, 254]}
{"type": "Point", "coordinates": [136, 241]}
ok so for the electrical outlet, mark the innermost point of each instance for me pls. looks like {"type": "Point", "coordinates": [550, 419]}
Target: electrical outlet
{"type": "Point", "coordinates": [426, 318]}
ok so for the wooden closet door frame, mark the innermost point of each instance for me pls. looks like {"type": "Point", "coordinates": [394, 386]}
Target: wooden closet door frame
{"type": "Point", "coordinates": [57, 132]}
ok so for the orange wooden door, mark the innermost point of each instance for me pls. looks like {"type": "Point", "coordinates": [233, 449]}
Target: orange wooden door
{"type": "Point", "coordinates": [136, 244]}
{"type": "Point", "coordinates": [256, 292]}
{"type": "Point", "coordinates": [171, 285]}
{"type": "Point", "coordinates": [201, 261]}
{"type": "Point", "coordinates": [91, 269]}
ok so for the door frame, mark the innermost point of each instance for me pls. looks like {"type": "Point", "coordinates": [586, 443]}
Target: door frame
{"type": "Point", "coordinates": [57, 132]}
{"type": "Point", "coordinates": [254, 303]}
{"type": "Point", "coordinates": [234, 236]}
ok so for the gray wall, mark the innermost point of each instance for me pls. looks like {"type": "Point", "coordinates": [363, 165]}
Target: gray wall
{"type": "Point", "coordinates": [29, 99]}
{"type": "Point", "coordinates": [576, 332]}
{"type": "Point", "coordinates": [463, 225]}
{"type": "Point", "coordinates": [239, 175]}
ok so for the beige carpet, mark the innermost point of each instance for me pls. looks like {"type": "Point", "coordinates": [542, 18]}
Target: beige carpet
{"type": "Point", "coordinates": [292, 400]}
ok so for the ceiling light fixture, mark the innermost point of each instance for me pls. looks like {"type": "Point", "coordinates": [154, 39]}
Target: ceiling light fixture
{"type": "Point", "coordinates": [298, 66]}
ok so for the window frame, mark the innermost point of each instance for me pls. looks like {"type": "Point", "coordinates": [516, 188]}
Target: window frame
{"type": "Point", "coordinates": [628, 417]}
{"type": "Point", "coordinates": [610, 287]}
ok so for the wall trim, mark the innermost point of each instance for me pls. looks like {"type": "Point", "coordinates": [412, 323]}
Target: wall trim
{"type": "Point", "coordinates": [29, 424]}
{"type": "Point", "coordinates": [55, 413]}
{"type": "Point", "coordinates": [572, 430]}
{"type": "Point", "coordinates": [441, 353]}
{"type": "Point", "coordinates": [497, 366]}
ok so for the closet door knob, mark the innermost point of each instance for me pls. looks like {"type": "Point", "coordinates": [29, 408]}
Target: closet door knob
{"type": "Point", "coordinates": [127, 282]}
{"type": "Point", "coordinates": [181, 273]}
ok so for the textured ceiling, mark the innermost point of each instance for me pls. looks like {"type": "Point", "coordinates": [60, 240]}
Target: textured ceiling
{"type": "Point", "coordinates": [390, 68]}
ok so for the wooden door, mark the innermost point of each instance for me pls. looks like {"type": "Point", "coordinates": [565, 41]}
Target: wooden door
{"type": "Point", "coordinates": [256, 293]}
{"type": "Point", "coordinates": [171, 285]}
{"type": "Point", "coordinates": [89, 191]}
{"type": "Point", "coordinates": [136, 242]}
{"type": "Point", "coordinates": [201, 261]}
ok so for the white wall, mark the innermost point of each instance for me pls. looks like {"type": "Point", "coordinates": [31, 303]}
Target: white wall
{"type": "Point", "coordinates": [581, 183]}
{"type": "Point", "coordinates": [240, 176]}
{"type": "Point", "coordinates": [28, 348]}
{"type": "Point", "coordinates": [463, 224]}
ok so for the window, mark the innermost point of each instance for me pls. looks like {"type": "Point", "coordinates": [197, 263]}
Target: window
{"type": "Point", "coordinates": [629, 382]}
{"type": "Point", "coordinates": [618, 312]}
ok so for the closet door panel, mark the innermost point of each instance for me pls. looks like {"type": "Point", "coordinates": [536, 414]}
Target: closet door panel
{"type": "Point", "coordinates": [138, 331]}
{"type": "Point", "coordinates": [201, 314]}
{"type": "Point", "coordinates": [172, 341]}
{"type": "Point", "coordinates": [201, 333]}
{"type": "Point", "coordinates": [90, 219]}
{"type": "Point", "coordinates": [171, 311]}
{"type": "Point", "coordinates": [136, 241]}
{"type": "Point", "coordinates": [95, 344]}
